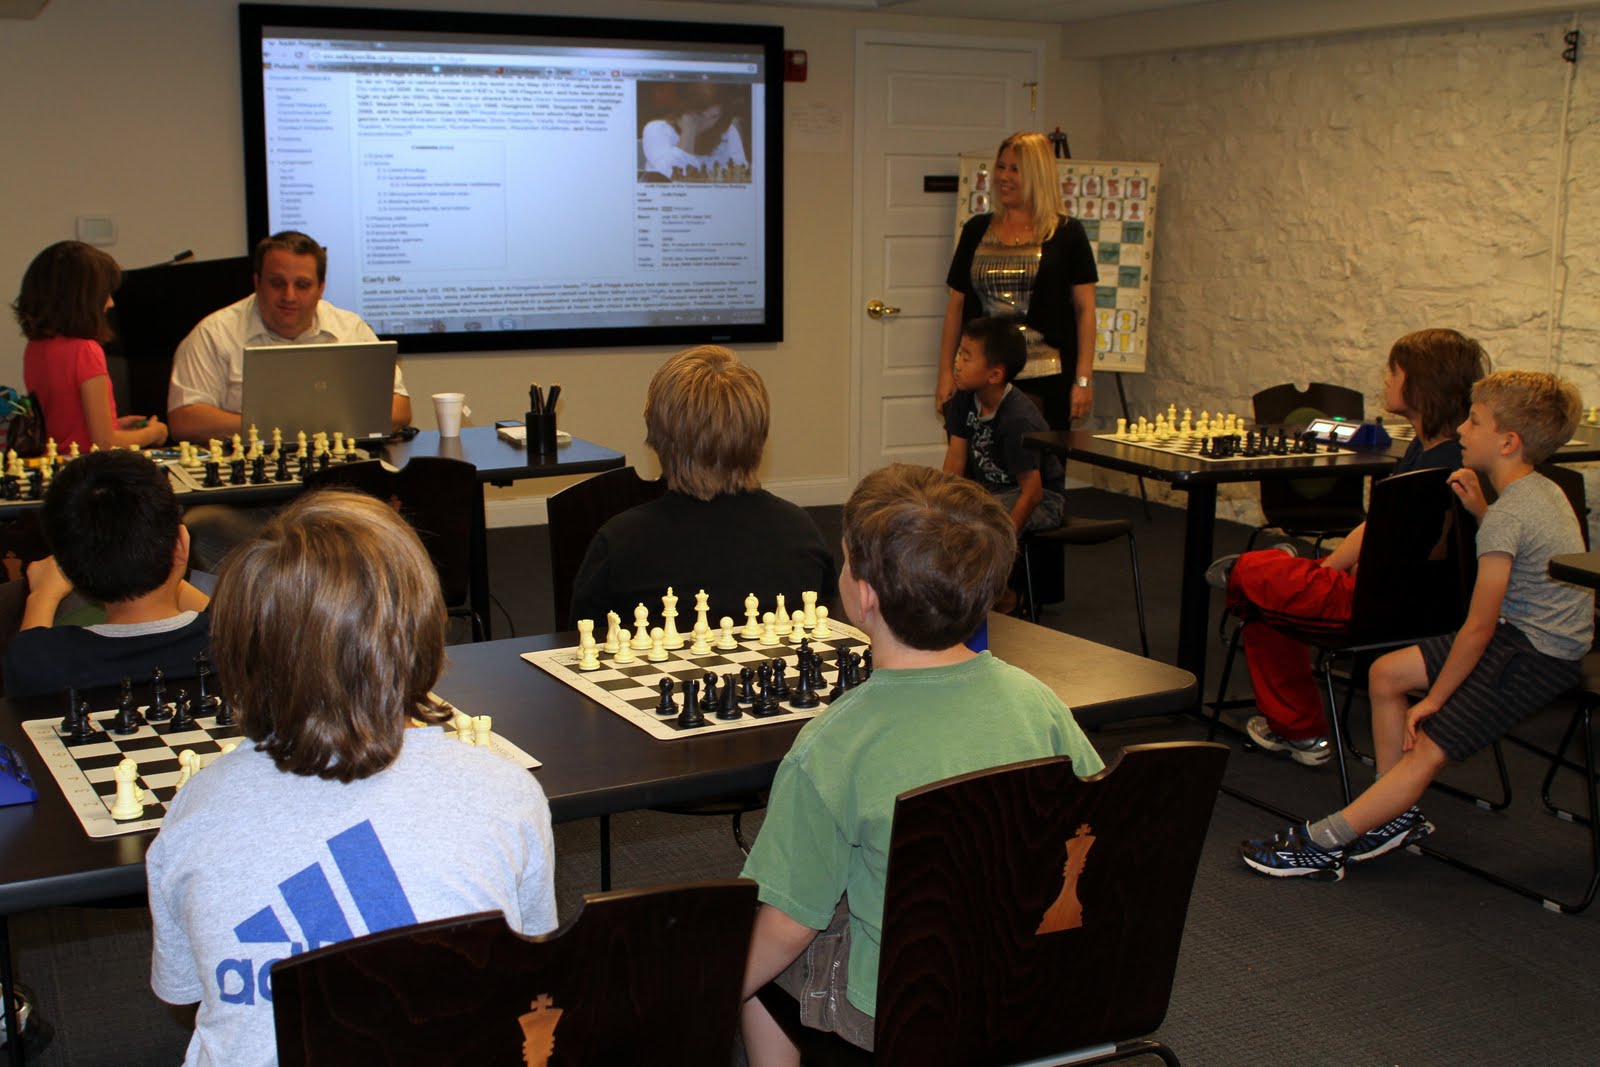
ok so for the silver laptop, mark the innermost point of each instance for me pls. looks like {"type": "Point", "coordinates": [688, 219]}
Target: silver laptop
{"type": "Point", "coordinates": [319, 388]}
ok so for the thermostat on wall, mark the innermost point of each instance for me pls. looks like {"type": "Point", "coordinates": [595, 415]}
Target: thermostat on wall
{"type": "Point", "coordinates": [97, 229]}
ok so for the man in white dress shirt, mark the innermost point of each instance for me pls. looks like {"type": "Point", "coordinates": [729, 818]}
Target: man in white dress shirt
{"type": "Point", "coordinates": [207, 387]}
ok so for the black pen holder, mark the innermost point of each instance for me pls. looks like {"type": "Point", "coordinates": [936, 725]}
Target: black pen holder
{"type": "Point", "coordinates": [541, 434]}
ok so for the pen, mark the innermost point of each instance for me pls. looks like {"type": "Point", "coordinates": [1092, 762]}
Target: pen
{"type": "Point", "coordinates": [535, 399]}
{"type": "Point", "coordinates": [550, 402]}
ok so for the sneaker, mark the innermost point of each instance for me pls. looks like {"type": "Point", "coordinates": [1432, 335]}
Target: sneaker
{"type": "Point", "coordinates": [1217, 574]}
{"type": "Point", "coordinates": [1292, 854]}
{"type": "Point", "coordinates": [1409, 827]}
{"type": "Point", "coordinates": [1312, 751]}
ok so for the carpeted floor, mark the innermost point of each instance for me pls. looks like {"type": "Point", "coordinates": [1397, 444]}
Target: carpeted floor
{"type": "Point", "coordinates": [1404, 962]}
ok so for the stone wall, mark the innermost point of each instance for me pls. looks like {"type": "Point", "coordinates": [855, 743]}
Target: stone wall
{"type": "Point", "coordinates": [1323, 197]}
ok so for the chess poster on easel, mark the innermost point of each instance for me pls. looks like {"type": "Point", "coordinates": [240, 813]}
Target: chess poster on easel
{"type": "Point", "coordinates": [1116, 202]}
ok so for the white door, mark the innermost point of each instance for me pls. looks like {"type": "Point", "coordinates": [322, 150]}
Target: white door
{"type": "Point", "coordinates": [919, 106]}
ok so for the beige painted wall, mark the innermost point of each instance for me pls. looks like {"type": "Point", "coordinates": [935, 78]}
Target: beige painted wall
{"type": "Point", "coordinates": [119, 109]}
{"type": "Point", "coordinates": [1321, 198]}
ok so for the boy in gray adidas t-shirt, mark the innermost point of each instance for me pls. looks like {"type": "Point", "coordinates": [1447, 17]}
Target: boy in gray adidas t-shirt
{"type": "Point", "coordinates": [327, 823]}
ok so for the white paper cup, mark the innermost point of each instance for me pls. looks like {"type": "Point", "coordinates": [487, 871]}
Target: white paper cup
{"type": "Point", "coordinates": [447, 409]}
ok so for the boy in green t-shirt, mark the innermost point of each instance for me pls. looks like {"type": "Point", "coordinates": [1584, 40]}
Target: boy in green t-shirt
{"type": "Point", "coordinates": [925, 555]}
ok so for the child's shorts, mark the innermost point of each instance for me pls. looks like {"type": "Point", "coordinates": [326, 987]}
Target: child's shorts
{"type": "Point", "coordinates": [1510, 682]}
{"type": "Point", "coordinates": [817, 980]}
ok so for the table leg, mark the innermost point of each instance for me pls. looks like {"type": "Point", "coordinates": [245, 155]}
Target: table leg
{"type": "Point", "coordinates": [1194, 605]}
{"type": "Point", "coordinates": [8, 982]}
{"type": "Point", "coordinates": [478, 589]}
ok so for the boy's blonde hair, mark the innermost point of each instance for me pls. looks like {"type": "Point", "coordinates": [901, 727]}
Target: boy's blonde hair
{"type": "Point", "coordinates": [328, 633]}
{"type": "Point", "coordinates": [1041, 198]}
{"type": "Point", "coordinates": [706, 417]}
{"type": "Point", "coordinates": [1540, 408]}
{"type": "Point", "coordinates": [936, 548]}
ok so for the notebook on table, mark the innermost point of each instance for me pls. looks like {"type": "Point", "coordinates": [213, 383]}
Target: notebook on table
{"type": "Point", "coordinates": [320, 388]}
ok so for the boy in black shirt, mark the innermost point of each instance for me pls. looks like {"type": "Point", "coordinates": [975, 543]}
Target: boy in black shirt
{"type": "Point", "coordinates": [986, 420]}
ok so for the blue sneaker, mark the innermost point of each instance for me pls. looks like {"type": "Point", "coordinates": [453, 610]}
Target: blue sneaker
{"type": "Point", "coordinates": [1292, 854]}
{"type": "Point", "coordinates": [1404, 829]}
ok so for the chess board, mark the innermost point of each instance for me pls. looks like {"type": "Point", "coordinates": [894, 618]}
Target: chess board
{"type": "Point", "coordinates": [185, 480]}
{"type": "Point", "coordinates": [630, 690]}
{"type": "Point", "coordinates": [86, 770]}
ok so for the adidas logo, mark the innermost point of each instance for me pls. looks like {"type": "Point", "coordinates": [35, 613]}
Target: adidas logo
{"type": "Point", "coordinates": [369, 878]}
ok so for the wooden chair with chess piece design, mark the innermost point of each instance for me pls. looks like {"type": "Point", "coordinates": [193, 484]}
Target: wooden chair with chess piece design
{"type": "Point", "coordinates": [1030, 913]}
{"type": "Point", "coordinates": [576, 514]}
{"type": "Point", "coordinates": [1311, 508]}
{"type": "Point", "coordinates": [438, 497]}
{"type": "Point", "coordinates": [642, 976]}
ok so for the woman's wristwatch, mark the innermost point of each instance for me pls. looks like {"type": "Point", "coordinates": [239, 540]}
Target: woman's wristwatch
{"type": "Point", "coordinates": [1083, 382]}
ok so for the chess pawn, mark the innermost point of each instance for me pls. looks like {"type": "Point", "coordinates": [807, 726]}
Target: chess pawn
{"type": "Point", "coordinates": [769, 629]}
{"type": "Point", "coordinates": [613, 633]}
{"type": "Point", "coordinates": [658, 646]}
{"type": "Point", "coordinates": [781, 613]}
{"type": "Point", "coordinates": [462, 722]}
{"type": "Point", "coordinates": [752, 624]}
{"type": "Point", "coordinates": [726, 640]}
{"type": "Point", "coordinates": [797, 628]}
{"type": "Point", "coordinates": [702, 640]}
{"type": "Point", "coordinates": [822, 630]}
{"type": "Point", "coordinates": [641, 627]}
{"type": "Point", "coordinates": [624, 652]}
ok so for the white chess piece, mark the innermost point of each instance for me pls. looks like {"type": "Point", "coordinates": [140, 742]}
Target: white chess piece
{"type": "Point", "coordinates": [1122, 427]}
{"type": "Point", "coordinates": [823, 630]}
{"type": "Point", "coordinates": [463, 726]}
{"type": "Point", "coordinates": [781, 613]}
{"type": "Point", "coordinates": [625, 652]}
{"type": "Point", "coordinates": [769, 629]}
{"type": "Point", "coordinates": [227, 748]}
{"type": "Point", "coordinates": [727, 640]}
{"type": "Point", "coordinates": [702, 640]}
{"type": "Point", "coordinates": [483, 731]}
{"type": "Point", "coordinates": [129, 804]}
{"type": "Point", "coordinates": [1172, 414]}
{"type": "Point", "coordinates": [658, 646]}
{"type": "Point", "coordinates": [752, 623]}
{"type": "Point", "coordinates": [189, 762]}
{"type": "Point", "coordinates": [641, 627]}
{"type": "Point", "coordinates": [808, 602]}
{"type": "Point", "coordinates": [614, 639]}
{"type": "Point", "coordinates": [797, 628]}
{"type": "Point", "coordinates": [669, 616]}
{"type": "Point", "coordinates": [588, 654]}
{"type": "Point", "coordinates": [702, 610]}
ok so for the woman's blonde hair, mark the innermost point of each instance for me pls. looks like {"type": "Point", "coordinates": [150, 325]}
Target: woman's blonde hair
{"type": "Point", "coordinates": [1036, 162]}
{"type": "Point", "coordinates": [706, 417]}
{"type": "Point", "coordinates": [328, 632]}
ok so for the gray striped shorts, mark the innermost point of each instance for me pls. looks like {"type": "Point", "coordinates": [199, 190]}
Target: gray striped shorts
{"type": "Point", "coordinates": [1511, 681]}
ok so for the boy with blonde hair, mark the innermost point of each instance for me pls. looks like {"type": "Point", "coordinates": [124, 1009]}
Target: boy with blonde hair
{"type": "Point", "coordinates": [1518, 649]}
{"type": "Point", "coordinates": [926, 553]}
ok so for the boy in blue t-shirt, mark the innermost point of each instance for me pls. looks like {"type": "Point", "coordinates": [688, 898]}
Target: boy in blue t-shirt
{"type": "Point", "coordinates": [986, 420]}
{"type": "Point", "coordinates": [1518, 649]}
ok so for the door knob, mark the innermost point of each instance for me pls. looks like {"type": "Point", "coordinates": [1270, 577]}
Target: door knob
{"type": "Point", "coordinates": [878, 309]}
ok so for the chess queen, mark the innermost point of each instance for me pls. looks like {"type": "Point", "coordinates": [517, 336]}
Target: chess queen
{"type": "Point", "coordinates": [1027, 261]}
{"type": "Point", "coordinates": [328, 636]}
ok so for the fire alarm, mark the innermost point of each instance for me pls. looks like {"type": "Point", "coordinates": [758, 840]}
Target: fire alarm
{"type": "Point", "coordinates": [794, 65]}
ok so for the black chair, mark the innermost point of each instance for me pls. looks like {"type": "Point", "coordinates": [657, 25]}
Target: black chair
{"type": "Point", "coordinates": [575, 515]}
{"type": "Point", "coordinates": [1075, 530]}
{"type": "Point", "coordinates": [1413, 580]}
{"type": "Point", "coordinates": [438, 497]}
{"type": "Point", "coordinates": [1030, 913]}
{"type": "Point", "coordinates": [642, 976]}
{"type": "Point", "coordinates": [1313, 508]}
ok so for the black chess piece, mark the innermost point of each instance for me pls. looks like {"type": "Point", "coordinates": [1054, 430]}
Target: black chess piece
{"type": "Point", "coordinates": [182, 714]}
{"type": "Point", "coordinates": [842, 682]}
{"type": "Point", "coordinates": [866, 664]}
{"type": "Point", "coordinates": [236, 472]}
{"type": "Point", "coordinates": [36, 484]}
{"type": "Point", "coordinates": [76, 724]}
{"type": "Point", "coordinates": [805, 689]}
{"type": "Point", "coordinates": [1205, 446]}
{"type": "Point", "coordinates": [708, 699]}
{"type": "Point", "coordinates": [764, 706]}
{"type": "Point", "coordinates": [780, 683]}
{"type": "Point", "coordinates": [323, 460]}
{"type": "Point", "coordinates": [159, 710]}
{"type": "Point", "coordinates": [691, 716]}
{"type": "Point", "coordinates": [282, 473]}
{"type": "Point", "coordinates": [258, 471]}
{"type": "Point", "coordinates": [729, 707]}
{"type": "Point", "coordinates": [128, 719]}
{"type": "Point", "coordinates": [213, 474]}
{"type": "Point", "coordinates": [747, 693]}
{"type": "Point", "coordinates": [307, 465]}
{"type": "Point", "coordinates": [9, 487]}
{"type": "Point", "coordinates": [666, 705]}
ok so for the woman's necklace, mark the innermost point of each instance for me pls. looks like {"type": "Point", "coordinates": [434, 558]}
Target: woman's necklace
{"type": "Point", "coordinates": [1008, 234]}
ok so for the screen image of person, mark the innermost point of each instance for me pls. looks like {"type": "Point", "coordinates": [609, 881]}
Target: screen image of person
{"type": "Point", "coordinates": [694, 132]}
{"type": "Point", "coordinates": [1027, 261]}
{"type": "Point", "coordinates": [207, 388]}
